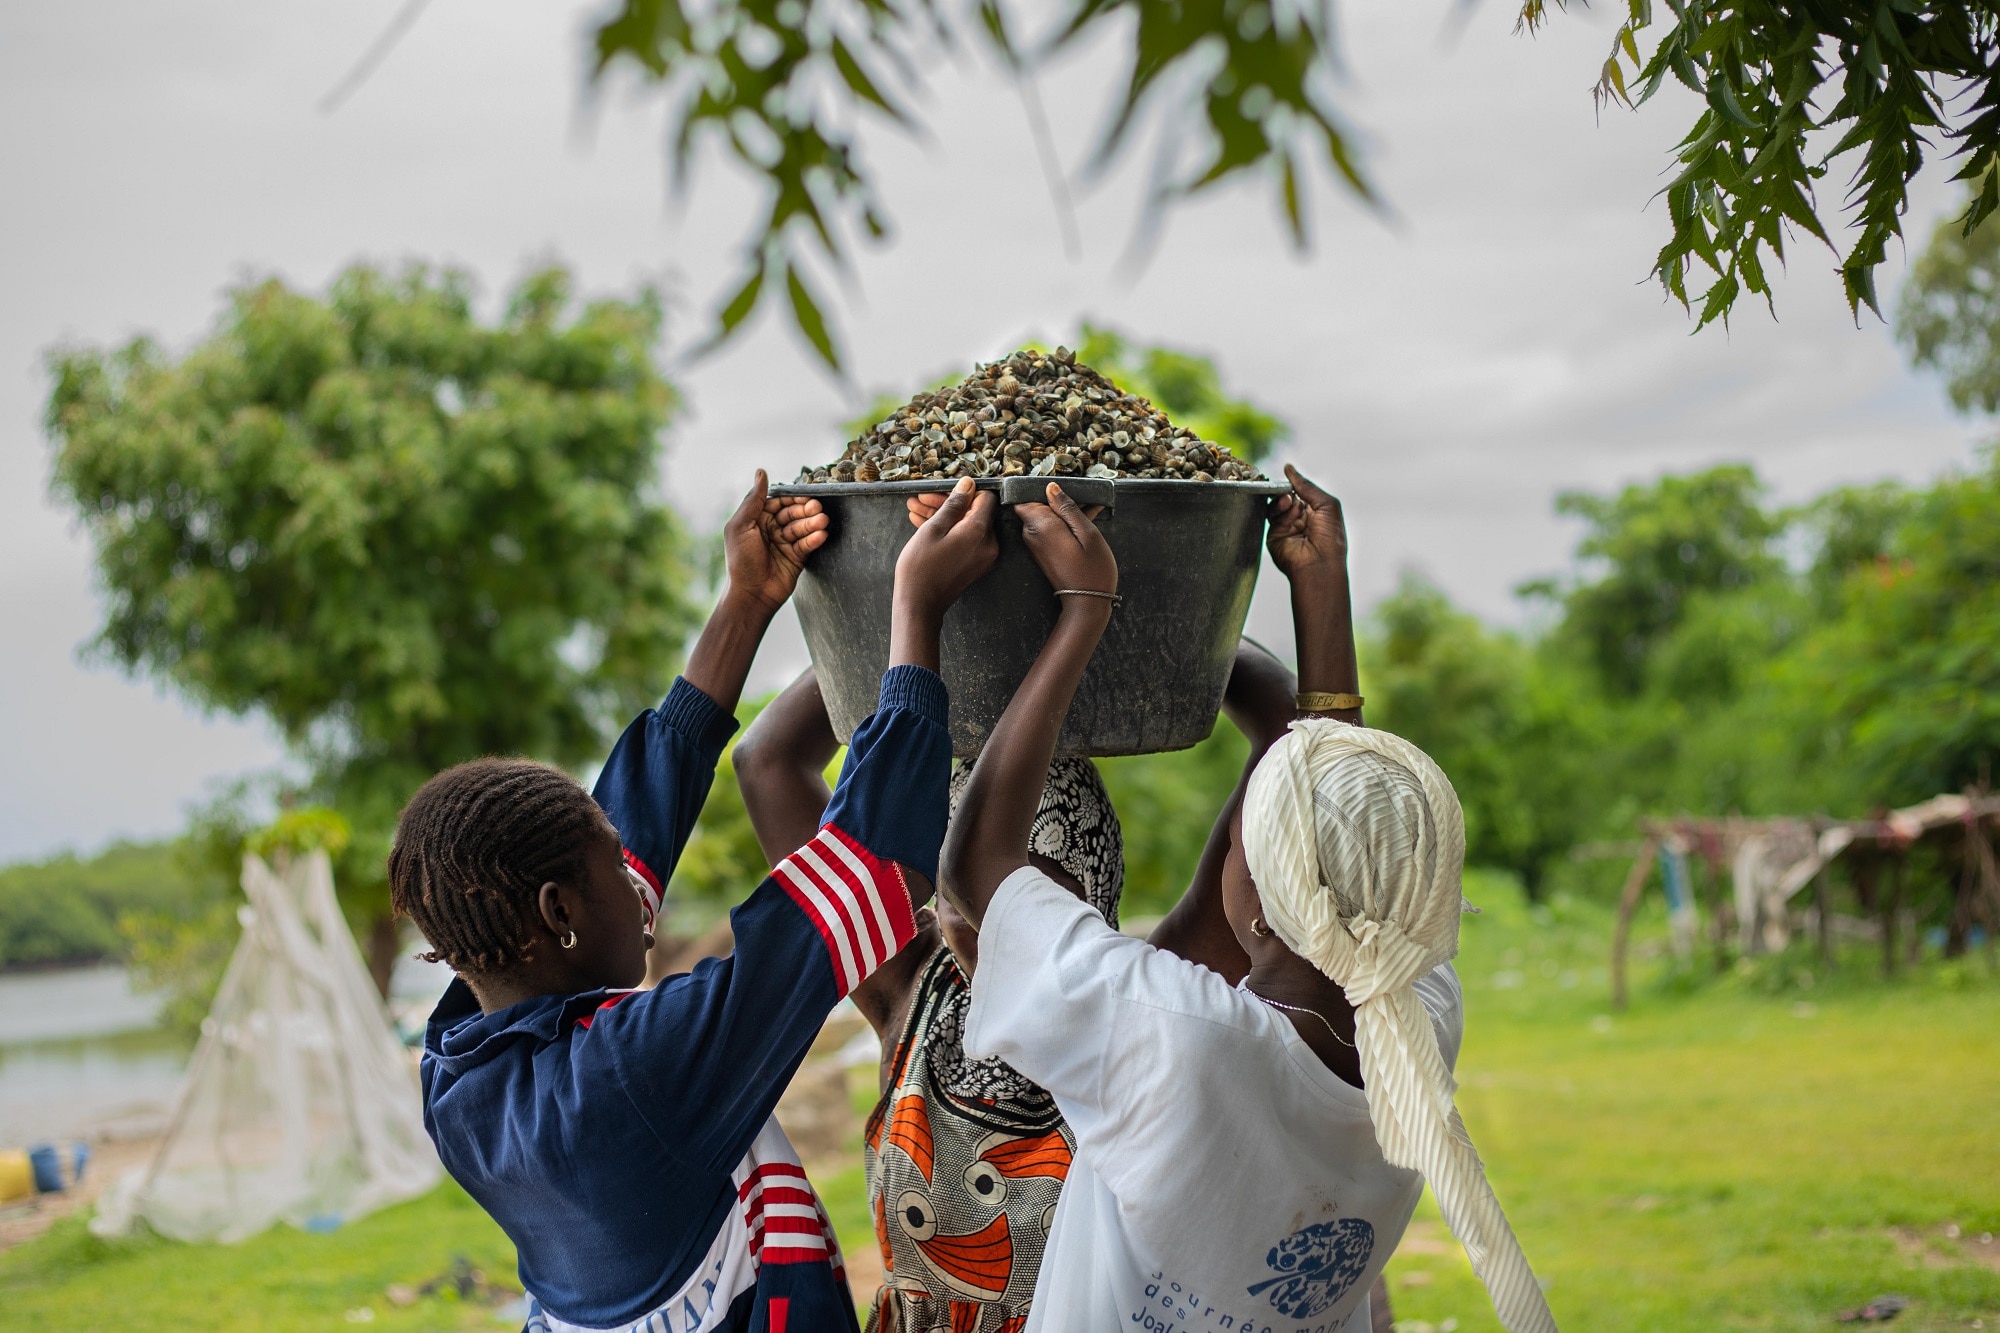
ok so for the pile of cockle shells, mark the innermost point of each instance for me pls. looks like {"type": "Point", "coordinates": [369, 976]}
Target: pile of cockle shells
{"type": "Point", "coordinates": [1035, 414]}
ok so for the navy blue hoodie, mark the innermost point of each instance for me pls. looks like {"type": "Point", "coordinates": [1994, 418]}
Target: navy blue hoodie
{"type": "Point", "coordinates": [624, 1140]}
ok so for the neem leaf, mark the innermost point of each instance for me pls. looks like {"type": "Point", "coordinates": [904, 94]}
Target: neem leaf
{"type": "Point", "coordinates": [860, 84]}
{"type": "Point", "coordinates": [806, 313]}
{"type": "Point", "coordinates": [740, 305]}
{"type": "Point", "coordinates": [1984, 201]}
{"type": "Point", "coordinates": [1292, 209]}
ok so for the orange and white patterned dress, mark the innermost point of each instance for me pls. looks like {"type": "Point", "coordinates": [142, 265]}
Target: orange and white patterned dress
{"type": "Point", "coordinates": [963, 1187]}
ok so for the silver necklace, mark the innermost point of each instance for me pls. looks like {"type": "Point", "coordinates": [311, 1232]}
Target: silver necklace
{"type": "Point", "coordinates": [1301, 1009]}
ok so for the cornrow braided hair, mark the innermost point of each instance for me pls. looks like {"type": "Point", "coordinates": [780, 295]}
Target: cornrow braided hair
{"type": "Point", "coordinates": [474, 847]}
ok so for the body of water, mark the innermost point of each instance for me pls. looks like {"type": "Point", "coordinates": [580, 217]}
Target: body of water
{"type": "Point", "coordinates": [81, 1053]}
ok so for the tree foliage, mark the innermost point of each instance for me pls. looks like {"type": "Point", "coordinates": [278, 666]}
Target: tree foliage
{"type": "Point", "coordinates": [181, 954]}
{"type": "Point", "coordinates": [1513, 739]}
{"type": "Point", "coordinates": [1647, 550]}
{"type": "Point", "coordinates": [1166, 804]}
{"type": "Point", "coordinates": [1910, 669]}
{"type": "Point", "coordinates": [1789, 88]}
{"type": "Point", "coordinates": [1949, 315]}
{"type": "Point", "coordinates": [1691, 670]}
{"type": "Point", "coordinates": [780, 84]}
{"type": "Point", "coordinates": [405, 536]}
{"type": "Point", "coordinates": [66, 909]}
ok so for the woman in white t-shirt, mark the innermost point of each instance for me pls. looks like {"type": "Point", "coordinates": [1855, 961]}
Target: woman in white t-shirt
{"type": "Point", "coordinates": [1232, 1175]}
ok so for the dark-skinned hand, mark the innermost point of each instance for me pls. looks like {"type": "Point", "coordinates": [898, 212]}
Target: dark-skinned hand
{"type": "Point", "coordinates": [765, 543]}
{"type": "Point", "coordinates": [925, 503]}
{"type": "Point", "coordinates": [950, 550]}
{"type": "Point", "coordinates": [1067, 546]}
{"type": "Point", "coordinates": [1308, 534]}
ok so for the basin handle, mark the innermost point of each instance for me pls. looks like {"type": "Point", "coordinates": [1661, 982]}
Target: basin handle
{"type": "Point", "coordinates": [1085, 491]}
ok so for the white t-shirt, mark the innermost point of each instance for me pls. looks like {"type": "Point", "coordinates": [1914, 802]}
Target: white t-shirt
{"type": "Point", "coordinates": [1225, 1180]}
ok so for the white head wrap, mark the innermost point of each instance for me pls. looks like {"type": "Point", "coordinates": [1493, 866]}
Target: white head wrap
{"type": "Point", "coordinates": [1356, 842]}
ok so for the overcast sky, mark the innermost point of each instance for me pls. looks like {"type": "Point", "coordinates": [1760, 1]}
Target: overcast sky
{"type": "Point", "coordinates": [1448, 369]}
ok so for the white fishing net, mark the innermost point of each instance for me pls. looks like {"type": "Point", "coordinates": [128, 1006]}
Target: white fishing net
{"type": "Point", "coordinates": [300, 1104]}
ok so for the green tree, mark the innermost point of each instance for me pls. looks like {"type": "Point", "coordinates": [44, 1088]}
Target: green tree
{"type": "Point", "coordinates": [1166, 805]}
{"type": "Point", "coordinates": [723, 857]}
{"type": "Point", "coordinates": [1909, 675]}
{"type": "Point", "coordinates": [1849, 528]}
{"type": "Point", "coordinates": [780, 88]}
{"type": "Point", "coordinates": [1789, 89]}
{"type": "Point", "coordinates": [1500, 721]}
{"type": "Point", "coordinates": [66, 909]}
{"type": "Point", "coordinates": [405, 536]}
{"type": "Point", "coordinates": [1949, 314]}
{"type": "Point", "coordinates": [1649, 548]}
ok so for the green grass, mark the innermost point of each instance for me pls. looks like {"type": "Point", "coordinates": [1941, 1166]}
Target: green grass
{"type": "Point", "coordinates": [1758, 1151]}
{"type": "Point", "coordinates": [283, 1279]}
{"type": "Point", "coordinates": [1755, 1151]}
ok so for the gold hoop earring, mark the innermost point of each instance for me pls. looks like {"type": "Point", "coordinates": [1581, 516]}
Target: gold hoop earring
{"type": "Point", "coordinates": [569, 940]}
{"type": "Point", "coordinates": [1259, 929]}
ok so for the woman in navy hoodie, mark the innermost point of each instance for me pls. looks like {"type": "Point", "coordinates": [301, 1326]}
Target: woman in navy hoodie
{"type": "Point", "coordinates": [624, 1139]}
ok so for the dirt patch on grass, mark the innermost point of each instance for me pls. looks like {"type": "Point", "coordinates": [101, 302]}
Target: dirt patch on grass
{"type": "Point", "coordinates": [1947, 1246]}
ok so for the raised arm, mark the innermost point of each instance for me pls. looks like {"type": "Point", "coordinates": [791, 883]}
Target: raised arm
{"type": "Point", "coordinates": [873, 801]}
{"type": "Point", "coordinates": [1308, 543]}
{"type": "Point", "coordinates": [719, 1045]}
{"type": "Point", "coordinates": [657, 776]}
{"type": "Point", "coordinates": [989, 839]}
{"type": "Point", "coordinates": [781, 767]}
{"type": "Point", "coordinates": [1260, 702]}
{"type": "Point", "coordinates": [765, 545]}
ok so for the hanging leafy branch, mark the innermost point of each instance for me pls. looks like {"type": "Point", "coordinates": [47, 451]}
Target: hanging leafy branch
{"type": "Point", "coordinates": [780, 84]}
{"type": "Point", "coordinates": [1789, 86]}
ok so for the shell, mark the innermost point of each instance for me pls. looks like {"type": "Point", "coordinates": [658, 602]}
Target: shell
{"type": "Point", "coordinates": [1029, 410]}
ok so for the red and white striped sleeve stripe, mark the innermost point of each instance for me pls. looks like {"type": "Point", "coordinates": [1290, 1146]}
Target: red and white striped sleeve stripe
{"type": "Point", "coordinates": [856, 899]}
{"type": "Point", "coordinates": [645, 881]}
{"type": "Point", "coordinates": [783, 1214]}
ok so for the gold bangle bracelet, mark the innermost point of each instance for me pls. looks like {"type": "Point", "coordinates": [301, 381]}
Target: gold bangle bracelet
{"type": "Point", "coordinates": [1317, 701]}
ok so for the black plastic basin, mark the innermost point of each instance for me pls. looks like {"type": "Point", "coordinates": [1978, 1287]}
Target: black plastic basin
{"type": "Point", "coordinates": [1187, 553]}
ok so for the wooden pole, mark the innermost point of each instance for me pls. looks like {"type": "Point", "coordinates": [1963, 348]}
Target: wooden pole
{"type": "Point", "coordinates": [1989, 874]}
{"type": "Point", "coordinates": [1892, 907]}
{"type": "Point", "coordinates": [1913, 946]}
{"type": "Point", "coordinates": [1823, 905]}
{"type": "Point", "coordinates": [1823, 899]}
{"type": "Point", "coordinates": [1964, 898]}
{"type": "Point", "coordinates": [1989, 883]}
{"type": "Point", "coordinates": [1628, 903]}
{"type": "Point", "coordinates": [1718, 903]}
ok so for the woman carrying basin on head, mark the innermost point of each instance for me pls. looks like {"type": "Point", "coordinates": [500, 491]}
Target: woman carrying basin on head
{"type": "Point", "coordinates": [965, 1158]}
{"type": "Point", "coordinates": [1259, 1094]}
